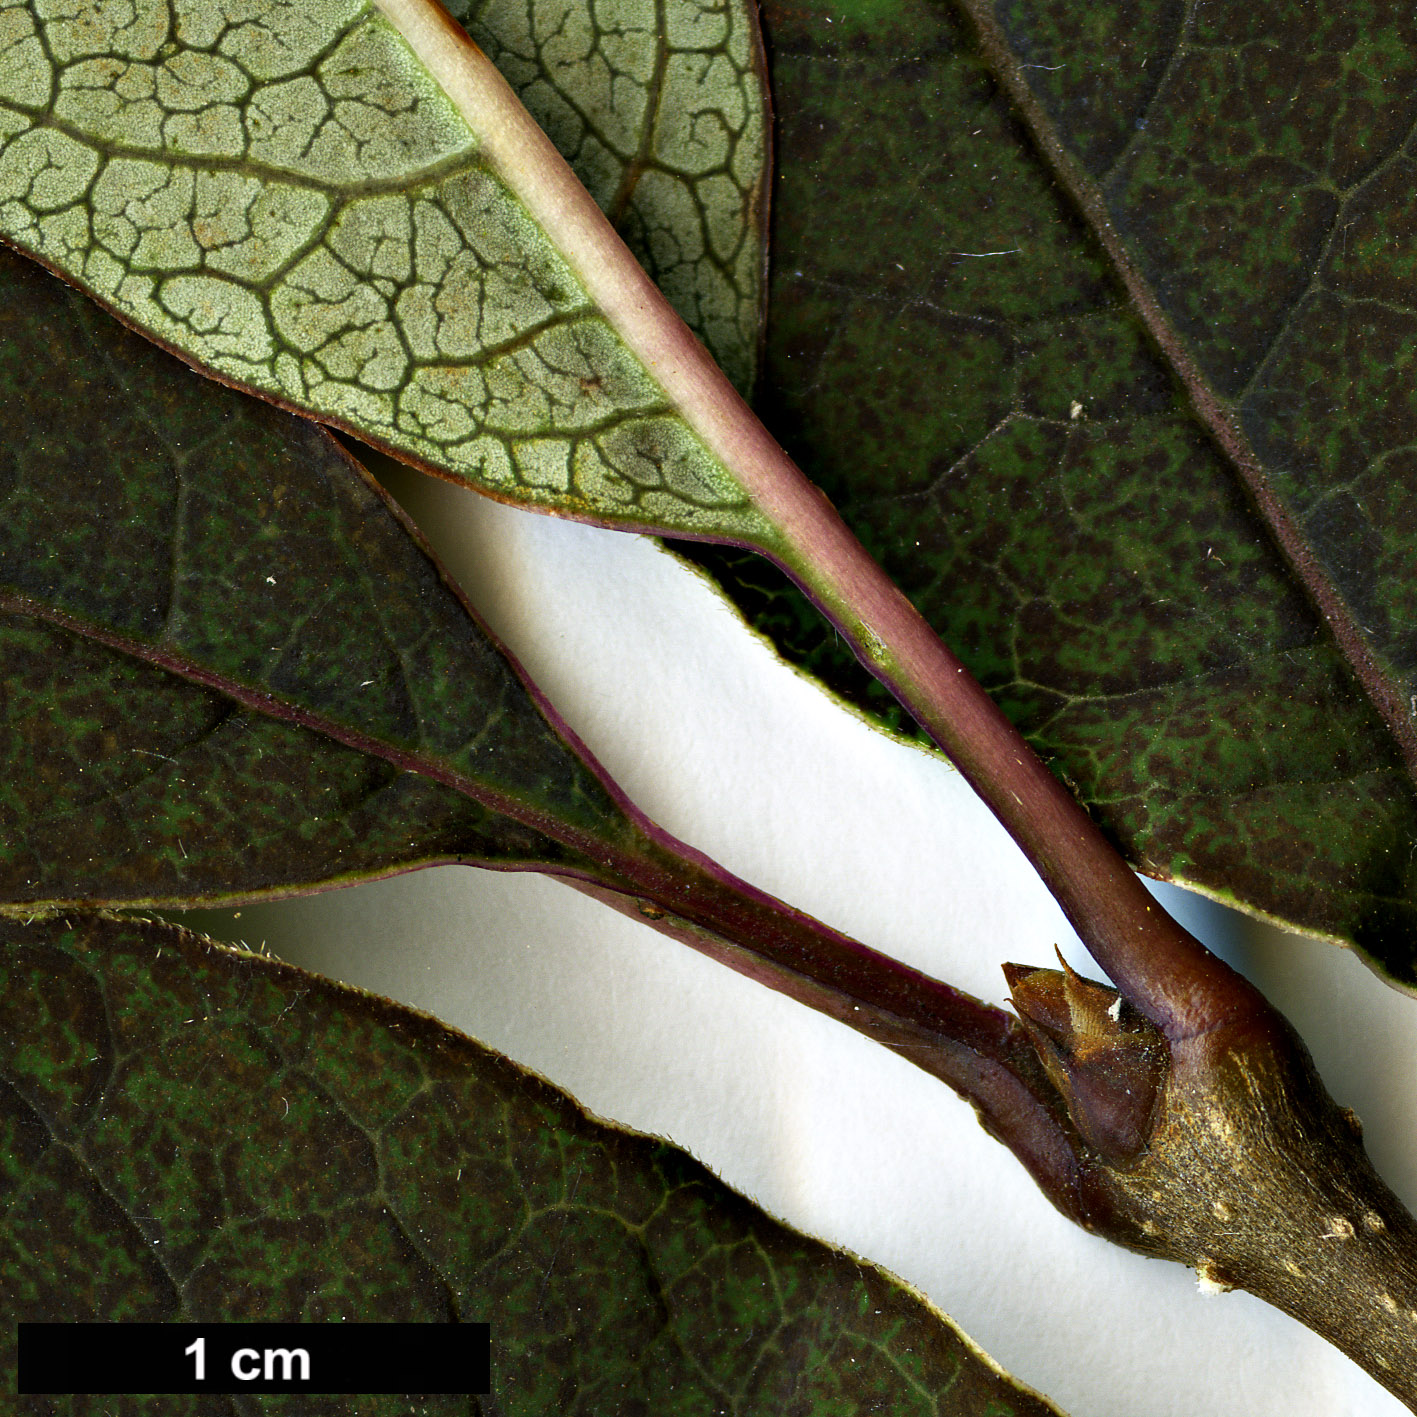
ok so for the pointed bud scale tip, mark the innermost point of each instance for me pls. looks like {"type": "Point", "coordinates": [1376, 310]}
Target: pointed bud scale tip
{"type": "Point", "coordinates": [1038, 997]}
{"type": "Point", "coordinates": [1105, 1060]}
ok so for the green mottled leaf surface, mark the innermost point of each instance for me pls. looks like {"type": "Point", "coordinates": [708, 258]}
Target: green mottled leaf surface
{"type": "Point", "coordinates": [632, 99]}
{"type": "Point", "coordinates": [1289, 268]}
{"type": "Point", "coordinates": [229, 667]}
{"type": "Point", "coordinates": [971, 386]}
{"type": "Point", "coordinates": [196, 1134]}
{"type": "Point", "coordinates": [283, 193]}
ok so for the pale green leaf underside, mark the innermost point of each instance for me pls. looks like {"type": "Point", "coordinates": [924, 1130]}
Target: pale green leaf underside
{"type": "Point", "coordinates": [283, 194]}
{"type": "Point", "coordinates": [635, 102]}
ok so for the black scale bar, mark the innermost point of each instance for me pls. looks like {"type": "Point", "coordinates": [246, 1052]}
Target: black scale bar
{"type": "Point", "coordinates": [335, 1358]}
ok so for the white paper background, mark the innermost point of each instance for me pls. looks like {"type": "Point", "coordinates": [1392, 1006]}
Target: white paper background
{"type": "Point", "coordinates": [735, 754]}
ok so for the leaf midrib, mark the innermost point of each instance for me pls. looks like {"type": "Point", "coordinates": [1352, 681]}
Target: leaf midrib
{"type": "Point", "coordinates": [282, 710]}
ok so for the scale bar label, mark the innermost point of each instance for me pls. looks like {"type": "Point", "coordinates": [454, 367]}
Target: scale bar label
{"type": "Point", "coordinates": [160, 1359]}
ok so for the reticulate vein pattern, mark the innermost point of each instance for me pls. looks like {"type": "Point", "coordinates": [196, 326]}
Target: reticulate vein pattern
{"type": "Point", "coordinates": [283, 195]}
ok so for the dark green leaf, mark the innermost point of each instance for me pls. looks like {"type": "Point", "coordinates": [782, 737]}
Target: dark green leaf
{"type": "Point", "coordinates": [195, 1134]}
{"type": "Point", "coordinates": [229, 666]}
{"type": "Point", "coordinates": [970, 384]}
{"type": "Point", "coordinates": [232, 670]}
{"type": "Point", "coordinates": [1262, 180]}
